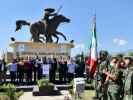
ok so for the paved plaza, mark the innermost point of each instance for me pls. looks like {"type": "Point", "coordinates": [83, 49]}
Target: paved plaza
{"type": "Point", "coordinates": [87, 95]}
{"type": "Point", "coordinates": [28, 96]}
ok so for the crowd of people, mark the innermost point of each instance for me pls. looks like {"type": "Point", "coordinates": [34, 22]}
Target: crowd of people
{"type": "Point", "coordinates": [23, 69]}
{"type": "Point", "coordinates": [114, 80]}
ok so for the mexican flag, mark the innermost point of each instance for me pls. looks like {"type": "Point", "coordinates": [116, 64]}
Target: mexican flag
{"type": "Point", "coordinates": [92, 59]}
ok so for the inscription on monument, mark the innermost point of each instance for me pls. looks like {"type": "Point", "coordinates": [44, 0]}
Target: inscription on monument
{"type": "Point", "coordinates": [41, 53]}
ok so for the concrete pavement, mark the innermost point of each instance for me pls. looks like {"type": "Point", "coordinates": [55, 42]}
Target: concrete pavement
{"type": "Point", "coordinates": [28, 96]}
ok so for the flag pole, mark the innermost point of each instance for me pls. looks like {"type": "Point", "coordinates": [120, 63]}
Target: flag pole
{"type": "Point", "coordinates": [97, 71]}
{"type": "Point", "coordinates": [96, 35]}
{"type": "Point", "coordinates": [92, 59]}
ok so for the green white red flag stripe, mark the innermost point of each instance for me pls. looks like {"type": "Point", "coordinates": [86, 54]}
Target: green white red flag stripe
{"type": "Point", "coordinates": [92, 59]}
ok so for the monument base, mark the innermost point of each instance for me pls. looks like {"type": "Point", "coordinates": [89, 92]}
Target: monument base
{"type": "Point", "coordinates": [45, 92]}
{"type": "Point", "coordinates": [32, 49]}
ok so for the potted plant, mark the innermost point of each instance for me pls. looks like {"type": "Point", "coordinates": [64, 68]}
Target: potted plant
{"type": "Point", "coordinates": [45, 85]}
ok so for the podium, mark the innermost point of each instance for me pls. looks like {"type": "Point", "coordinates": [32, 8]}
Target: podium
{"type": "Point", "coordinates": [79, 85]}
{"type": "Point", "coordinates": [45, 70]}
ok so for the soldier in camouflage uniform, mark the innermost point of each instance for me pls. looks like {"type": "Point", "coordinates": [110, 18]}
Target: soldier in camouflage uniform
{"type": "Point", "coordinates": [128, 85]}
{"type": "Point", "coordinates": [114, 78]}
{"type": "Point", "coordinates": [124, 69]}
{"type": "Point", "coordinates": [99, 77]}
{"type": "Point", "coordinates": [115, 58]}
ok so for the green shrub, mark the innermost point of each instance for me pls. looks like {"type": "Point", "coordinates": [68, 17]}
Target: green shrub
{"type": "Point", "coordinates": [9, 90]}
{"type": "Point", "coordinates": [71, 84]}
{"type": "Point", "coordinates": [3, 96]}
{"type": "Point", "coordinates": [43, 82]}
{"type": "Point", "coordinates": [18, 94]}
{"type": "Point", "coordinates": [73, 94]}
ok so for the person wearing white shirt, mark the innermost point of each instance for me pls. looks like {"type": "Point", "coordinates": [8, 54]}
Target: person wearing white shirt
{"type": "Point", "coordinates": [13, 69]}
{"type": "Point", "coordinates": [71, 69]}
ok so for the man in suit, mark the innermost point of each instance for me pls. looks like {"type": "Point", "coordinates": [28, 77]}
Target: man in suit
{"type": "Point", "coordinates": [3, 69]}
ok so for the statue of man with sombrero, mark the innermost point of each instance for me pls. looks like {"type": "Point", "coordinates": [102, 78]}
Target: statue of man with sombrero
{"type": "Point", "coordinates": [45, 18]}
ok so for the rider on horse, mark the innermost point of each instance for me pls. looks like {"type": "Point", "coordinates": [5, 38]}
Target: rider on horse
{"type": "Point", "coordinates": [46, 26]}
{"type": "Point", "coordinates": [45, 18]}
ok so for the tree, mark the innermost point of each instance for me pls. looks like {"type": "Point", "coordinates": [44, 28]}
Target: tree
{"type": "Point", "coordinates": [77, 56]}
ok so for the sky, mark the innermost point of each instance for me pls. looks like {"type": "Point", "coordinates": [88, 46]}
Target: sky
{"type": "Point", "coordinates": [114, 22]}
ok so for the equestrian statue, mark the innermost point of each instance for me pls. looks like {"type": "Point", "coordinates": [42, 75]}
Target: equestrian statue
{"type": "Point", "coordinates": [47, 27]}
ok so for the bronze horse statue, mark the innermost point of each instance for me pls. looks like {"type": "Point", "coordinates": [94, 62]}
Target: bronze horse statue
{"type": "Point", "coordinates": [37, 28]}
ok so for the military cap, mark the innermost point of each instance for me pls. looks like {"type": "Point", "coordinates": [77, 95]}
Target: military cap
{"type": "Point", "coordinates": [128, 55]}
{"type": "Point", "coordinates": [104, 52]}
{"type": "Point", "coordinates": [117, 55]}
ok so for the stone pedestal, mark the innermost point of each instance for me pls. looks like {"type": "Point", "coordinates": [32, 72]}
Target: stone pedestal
{"type": "Point", "coordinates": [45, 92]}
{"type": "Point", "coordinates": [31, 49]}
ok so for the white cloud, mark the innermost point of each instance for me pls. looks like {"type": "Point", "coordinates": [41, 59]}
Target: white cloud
{"type": "Point", "coordinates": [120, 42]}
{"type": "Point", "coordinates": [80, 47]}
